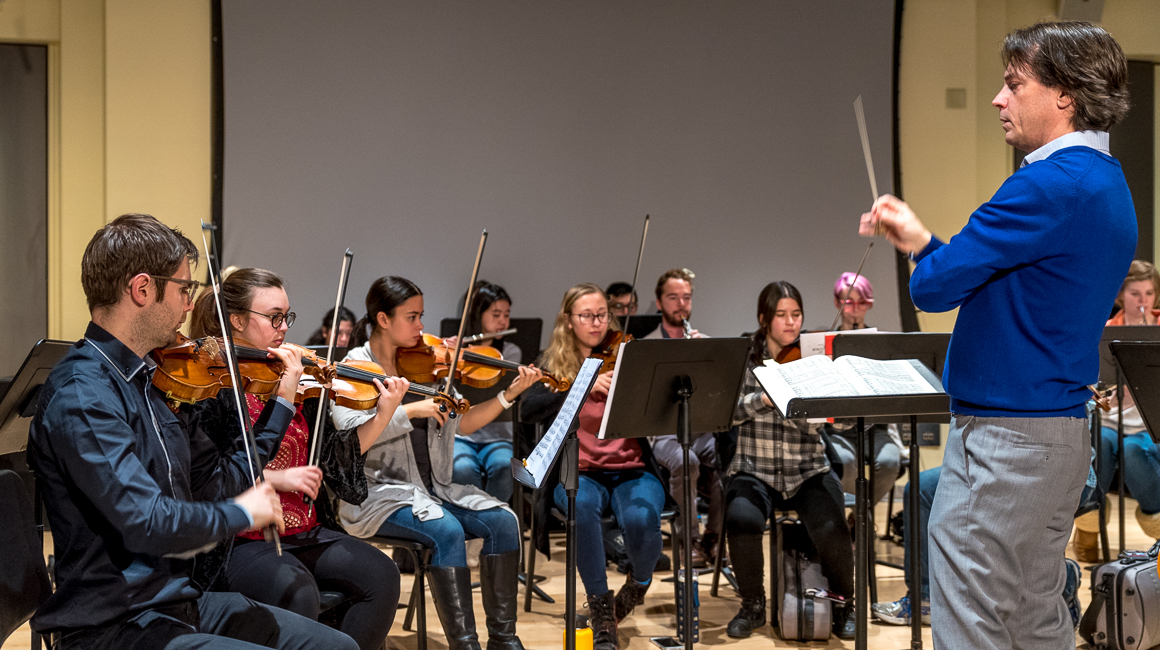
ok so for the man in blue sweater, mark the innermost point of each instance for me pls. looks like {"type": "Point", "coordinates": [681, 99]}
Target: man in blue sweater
{"type": "Point", "coordinates": [1018, 450]}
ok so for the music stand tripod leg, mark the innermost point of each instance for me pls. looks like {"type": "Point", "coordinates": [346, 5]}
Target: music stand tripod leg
{"type": "Point", "coordinates": [571, 479]}
{"type": "Point", "coordinates": [912, 542]}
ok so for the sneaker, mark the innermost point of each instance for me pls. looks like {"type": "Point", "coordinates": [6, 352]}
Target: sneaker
{"type": "Point", "coordinates": [1071, 588]}
{"type": "Point", "coordinates": [898, 612]}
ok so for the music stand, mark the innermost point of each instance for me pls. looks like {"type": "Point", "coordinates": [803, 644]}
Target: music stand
{"type": "Point", "coordinates": [640, 325]}
{"type": "Point", "coordinates": [1110, 376]}
{"type": "Point", "coordinates": [680, 386]}
{"type": "Point", "coordinates": [18, 405]}
{"type": "Point", "coordinates": [931, 349]}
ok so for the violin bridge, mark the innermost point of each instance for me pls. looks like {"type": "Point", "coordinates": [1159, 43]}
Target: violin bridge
{"type": "Point", "coordinates": [211, 347]}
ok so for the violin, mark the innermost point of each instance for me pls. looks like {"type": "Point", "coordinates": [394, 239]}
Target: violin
{"type": "Point", "coordinates": [791, 352]}
{"type": "Point", "coordinates": [480, 366]}
{"type": "Point", "coordinates": [194, 369]}
{"type": "Point", "coordinates": [609, 348]}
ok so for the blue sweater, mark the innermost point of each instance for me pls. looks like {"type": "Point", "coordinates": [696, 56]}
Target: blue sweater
{"type": "Point", "coordinates": [1034, 272]}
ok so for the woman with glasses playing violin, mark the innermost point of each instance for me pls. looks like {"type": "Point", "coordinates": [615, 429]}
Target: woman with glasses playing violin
{"type": "Point", "coordinates": [614, 474]}
{"type": "Point", "coordinates": [484, 458]}
{"type": "Point", "coordinates": [410, 470]}
{"type": "Point", "coordinates": [854, 295]}
{"type": "Point", "coordinates": [316, 555]}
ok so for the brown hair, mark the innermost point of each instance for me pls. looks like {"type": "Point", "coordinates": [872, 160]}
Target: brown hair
{"type": "Point", "coordinates": [385, 295]}
{"type": "Point", "coordinates": [1137, 272]}
{"type": "Point", "coordinates": [1080, 59]}
{"type": "Point", "coordinates": [766, 308]}
{"type": "Point", "coordinates": [130, 245]}
{"type": "Point", "coordinates": [238, 295]}
{"type": "Point", "coordinates": [561, 357]}
{"type": "Point", "coordinates": [674, 274]}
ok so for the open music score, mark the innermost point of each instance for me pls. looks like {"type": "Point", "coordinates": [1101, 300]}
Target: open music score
{"type": "Point", "coordinates": [534, 470]}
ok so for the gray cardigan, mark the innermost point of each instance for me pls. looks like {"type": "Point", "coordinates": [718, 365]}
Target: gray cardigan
{"type": "Point", "coordinates": [393, 476]}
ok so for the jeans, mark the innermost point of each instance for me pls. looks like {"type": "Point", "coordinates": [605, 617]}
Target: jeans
{"type": "Point", "coordinates": [1141, 467]}
{"type": "Point", "coordinates": [927, 485]}
{"type": "Point", "coordinates": [448, 535]}
{"type": "Point", "coordinates": [220, 620]}
{"type": "Point", "coordinates": [487, 466]}
{"type": "Point", "coordinates": [636, 497]}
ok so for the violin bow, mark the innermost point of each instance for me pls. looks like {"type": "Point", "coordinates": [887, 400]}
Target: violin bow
{"type": "Point", "coordinates": [860, 115]}
{"type": "Point", "coordinates": [463, 320]}
{"type": "Point", "coordinates": [324, 400]}
{"type": "Point", "coordinates": [271, 532]}
{"type": "Point", "coordinates": [636, 273]}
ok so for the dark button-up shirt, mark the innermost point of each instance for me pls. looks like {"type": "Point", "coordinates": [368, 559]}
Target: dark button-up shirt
{"type": "Point", "coordinates": [120, 475]}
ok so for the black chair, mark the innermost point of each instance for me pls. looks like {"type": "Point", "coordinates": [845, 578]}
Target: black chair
{"type": "Point", "coordinates": [417, 606]}
{"type": "Point", "coordinates": [24, 581]}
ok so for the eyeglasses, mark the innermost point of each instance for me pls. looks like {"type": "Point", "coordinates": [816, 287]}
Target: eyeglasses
{"type": "Point", "coordinates": [277, 318]}
{"type": "Point", "coordinates": [858, 303]}
{"type": "Point", "coordinates": [188, 287]}
{"type": "Point", "coordinates": [588, 318]}
{"type": "Point", "coordinates": [622, 305]}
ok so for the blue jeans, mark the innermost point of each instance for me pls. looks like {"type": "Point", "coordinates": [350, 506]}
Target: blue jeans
{"type": "Point", "coordinates": [1141, 467]}
{"type": "Point", "coordinates": [927, 484]}
{"type": "Point", "coordinates": [636, 497]}
{"type": "Point", "coordinates": [487, 466]}
{"type": "Point", "coordinates": [448, 535]}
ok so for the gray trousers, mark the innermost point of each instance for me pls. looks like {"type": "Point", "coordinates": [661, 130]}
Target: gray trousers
{"type": "Point", "coordinates": [999, 527]}
{"type": "Point", "coordinates": [885, 456]}
{"type": "Point", "coordinates": [703, 451]}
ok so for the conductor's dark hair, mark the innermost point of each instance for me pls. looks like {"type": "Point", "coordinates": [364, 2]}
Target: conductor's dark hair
{"type": "Point", "coordinates": [385, 295]}
{"type": "Point", "coordinates": [127, 246]}
{"type": "Point", "coordinates": [766, 308]}
{"type": "Point", "coordinates": [1082, 60]}
{"type": "Point", "coordinates": [486, 295]}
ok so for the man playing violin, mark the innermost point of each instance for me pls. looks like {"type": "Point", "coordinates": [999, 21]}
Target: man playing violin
{"type": "Point", "coordinates": [1018, 449]}
{"type": "Point", "coordinates": [119, 473]}
{"type": "Point", "coordinates": [674, 299]}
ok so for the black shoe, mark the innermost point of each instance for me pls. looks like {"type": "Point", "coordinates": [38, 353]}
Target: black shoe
{"type": "Point", "coordinates": [602, 620]}
{"type": "Point", "coordinates": [845, 623]}
{"type": "Point", "coordinates": [629, 596]}
{"type": "Point", "coordinates": [750, 617]}
{"type": "Point", "coordinates": [451, 591]}
{"type": "Point", "coordinates": [499, 580]}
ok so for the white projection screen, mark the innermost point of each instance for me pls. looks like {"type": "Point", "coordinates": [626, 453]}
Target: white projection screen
{"type": "Point", "coordinates": [402, 129]}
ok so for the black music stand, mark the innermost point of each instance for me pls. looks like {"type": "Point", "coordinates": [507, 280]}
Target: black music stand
{"type": "Point", "coordinates": [931, 349]}
{"type": "Point", "coordinates": [569, 452]}
{"type": "Point", "coordinates": [640, 325]}
{"type": "Point", "coordinates": [18, 405]}
{"type": "Point", "coordinates": [881, 408]}
{"type": "Point", "coordinates": [680, 386]}
{"type": "Point", "coordinates": [1110, 375]}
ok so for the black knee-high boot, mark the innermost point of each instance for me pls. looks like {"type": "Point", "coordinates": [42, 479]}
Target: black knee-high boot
{"type": "Point", "coordinates": [499, 582]}
{"type": "Point", "coordinates": [451, 590]}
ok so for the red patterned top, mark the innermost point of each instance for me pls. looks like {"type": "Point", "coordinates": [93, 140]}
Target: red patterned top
{"type": "Point", "coordinates": [292, 453]}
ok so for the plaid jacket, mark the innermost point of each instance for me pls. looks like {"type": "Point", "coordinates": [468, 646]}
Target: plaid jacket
{"type": "Point", "coordinates": [783, 453]}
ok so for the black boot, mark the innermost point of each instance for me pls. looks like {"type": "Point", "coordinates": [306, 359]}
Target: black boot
{"type": "Point", "coordinates": [499, 580]}
{"type": "Point", "coordinates": [750, 617]}
{"type": "Point", "coordinates": [629, 596]}
{"type": "Point", "coordinates": [451, 591]}
{"type": "Point", "coordinates": [845, 623]}
{"type": "Point", "coordinates": [602, 620]}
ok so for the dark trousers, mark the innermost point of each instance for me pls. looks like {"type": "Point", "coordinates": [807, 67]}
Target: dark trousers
{"type": "Point", "coordinates": [750, 502]}
{"type": "Point", "coordinates": [223, 621]}
{"type": "Point", "coordinates": [321, 559]}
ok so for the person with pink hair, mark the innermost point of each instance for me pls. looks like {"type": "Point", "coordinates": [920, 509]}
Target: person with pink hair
{"type": "Point", "coordinates": [854, 304]}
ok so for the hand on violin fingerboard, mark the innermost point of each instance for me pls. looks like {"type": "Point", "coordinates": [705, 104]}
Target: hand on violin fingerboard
{"type": "Point", "coordinates": [602, 383]}
{"type": "Point", "coordinates": [390, 395]}
{"type": "Point", "coordinates": [527, 378]}
{"type": "Point", "coordinates": [291, 358]}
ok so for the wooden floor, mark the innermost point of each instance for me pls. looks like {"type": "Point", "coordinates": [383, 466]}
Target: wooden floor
{"type": "Point", "coordinates": [543, 627]}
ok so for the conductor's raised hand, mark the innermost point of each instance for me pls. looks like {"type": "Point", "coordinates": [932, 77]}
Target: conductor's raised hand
{"type": "Point", "coordinates": [264, 506]}
{"type": "Point", "coordinates": [892, 218]}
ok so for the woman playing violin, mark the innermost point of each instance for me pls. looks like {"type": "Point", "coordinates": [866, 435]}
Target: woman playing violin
{"type": "Point", "coordinates": [316, 555]}
{"type": "Point", "coordinates": [409, 468]}
{"type": "Point", "coordinates": [614, 474]}
{"type": "Point", "coordinates": [781, 464]}
{"type": "Point", "coordinates": [483, 459]}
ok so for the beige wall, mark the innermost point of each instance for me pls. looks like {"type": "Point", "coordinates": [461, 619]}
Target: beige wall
{"type": "Point", "coordinates": [129, 124]}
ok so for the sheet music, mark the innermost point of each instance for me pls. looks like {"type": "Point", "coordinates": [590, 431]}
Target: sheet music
{"type": "Point", "coordinates": [540, 460]}
{"type": "Point", "coordinates": [897, 377]}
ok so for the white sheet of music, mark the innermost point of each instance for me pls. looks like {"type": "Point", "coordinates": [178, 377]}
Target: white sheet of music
{"type": "Point", "coordinates": [850, 376]}
{"type": "Point", "coordinates": [540, 460]}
